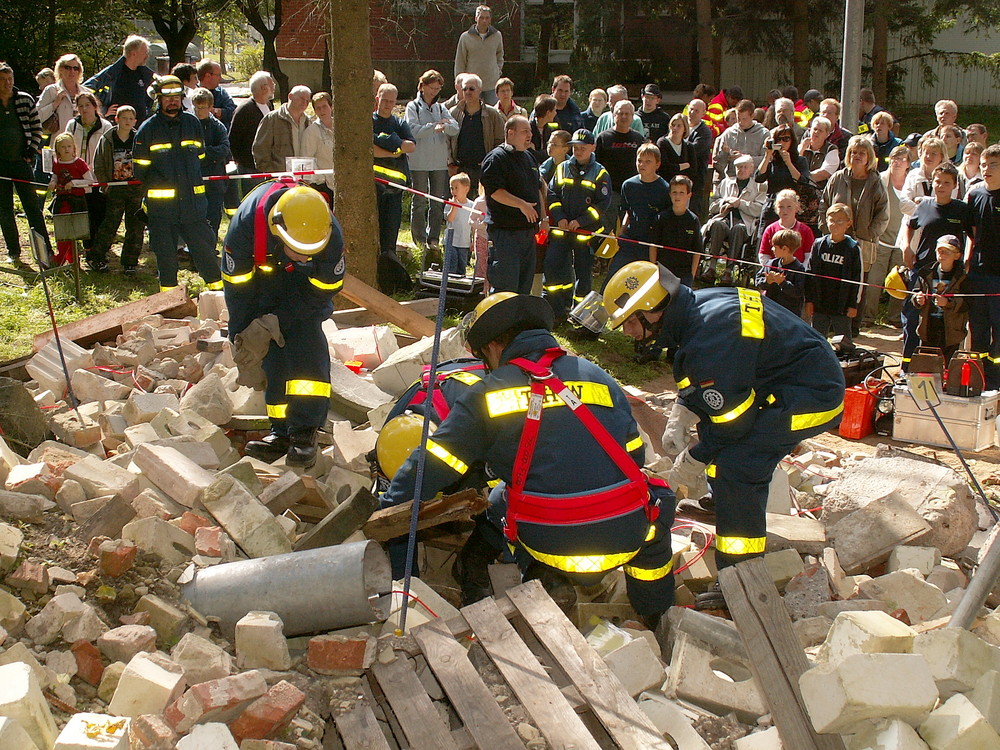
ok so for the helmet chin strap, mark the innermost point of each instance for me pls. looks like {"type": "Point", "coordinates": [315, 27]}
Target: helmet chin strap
{"type": "Point", "coordinates": [649, 329]}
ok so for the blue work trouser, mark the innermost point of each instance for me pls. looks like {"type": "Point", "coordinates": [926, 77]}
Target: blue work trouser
{"type": "Point", "coordinates": [511, 261]}
{"type": "Point", "coordinates": [569, 266]}
{"type": "Point", "coordinates": [197, 235]}
{"type": "Point", "coordinates": [19, 170]}
{"type": "Point", "coordinates": [984, 324]}
{"type": "Point", "coordinates": [390, 216]}
{"type": "Point", "coordinates": [305, 358]}
{"type": "Point", "coordinates": [910, 316]}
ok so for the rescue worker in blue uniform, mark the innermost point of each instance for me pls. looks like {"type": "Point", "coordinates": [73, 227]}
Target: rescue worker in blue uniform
{"type": "Point", "coordinates": [754, 377]}
{"type": "Point", "coordinates": [284, 255]}
{"type": "Point", "coordinates": [169, 148]}
{"type": "Point", "coordinates": [579, 196]}
{"type": "Point", "coordinates": [567, 514]}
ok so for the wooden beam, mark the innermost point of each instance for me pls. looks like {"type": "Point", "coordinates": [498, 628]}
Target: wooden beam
{"type": "Point", "coordinates": [386, 308]}
{"type": "Point", "coordinates": [388, 523]}
{"type": "Point", "coordinates": [355, 317]}
{"type": "Point", "coordinates": [108, 324]}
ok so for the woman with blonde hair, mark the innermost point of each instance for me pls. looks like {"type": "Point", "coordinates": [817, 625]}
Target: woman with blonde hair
{"type": "Point", "coordinates": [676, 153]}
{"type": "Point", "coordinates": [59, 98]}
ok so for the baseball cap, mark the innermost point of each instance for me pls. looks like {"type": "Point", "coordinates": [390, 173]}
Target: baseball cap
{"type": "Point", "coordinates": [950, 241]}
{"type": "Point", "coordinates": [812, 94]}
{"type": "Point", "coordinates": [653, 89]}
{"type": "Point", "coordinates": [584, 137]}
{"type": "Point", "coordinates": [912, 140]}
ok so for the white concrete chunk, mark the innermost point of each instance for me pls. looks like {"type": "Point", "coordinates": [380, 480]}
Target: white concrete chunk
{"type": "Point", "coordinates": [142, 407]}
{"type": "Point", "coordinates": [636, 666]}
{"type": "Point", "coordinates": [694, 676]}
{"type": "Point", "coordinates": [769, 739]}
{"type": "Point", "coordinates": [887, 735]}
{"type": "Point", "coordinates": [905, 589]}
{"type": "Point", "coordinates": [208, 737]}
{"type": "Point", "coordinates": [957, 658]}
{"type": "Point", "coordinates": [158, 537]}
{"type": "Point", "coordinates": [986, 696]}
{"type": "Point", "coordinates": [244, 517]}
{"type": "Point", "coordinates": [671, 722]}
{"type": "Point", "coordinates": [11, 539]}
{"type": "Point", "coordinates": [21, 699]}
{"type": "Point", "coordinates": [210, 399]}
{"type": "Point", "coordinates": [149, 683]}
{"type": "Point", "coordinates": [201, 659]}
{"type": "Point", "coordinates": [957, 725]}
{"type": "Point", "coordinates": [260, 642]}
{"type": "Point", "coordinates": [179, 477]}
{"type": "Point", "coordinates": [86, 731]}
{"type": "Point", "coordinates": [91, 386]}
{"type": "Point", "coordinates": [13, 736]}
{"type": "Point", "coordinates": [922, 558]}
{"type": "Point", "coordinates": [869, 632]}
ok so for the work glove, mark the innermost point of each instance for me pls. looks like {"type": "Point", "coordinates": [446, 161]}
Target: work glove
{"type": "Point", "coordinates": [389, 141]}
{"type": "Point", "coordinates": [688, 473]}
{"type": "Point", "coordinates": [250, 347]}
{"type": "Point", "coordinates": [679, 424]}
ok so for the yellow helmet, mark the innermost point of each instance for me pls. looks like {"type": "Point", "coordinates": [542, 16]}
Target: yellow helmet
{"type": "Point", "coordinates": [502, 311]}
{"type": "Point", "coordinates": [609, 246]}
{"type": "Point", "coordinates": [301, 218]}
{"type": "Point", "coordinates": [399, 436]}
{"type": "Point", "coordinates": [165, 86]}
{"type": "Point", "coordinates": [639, 285]}
{"type": "Point", "coordinates": [895, 284]}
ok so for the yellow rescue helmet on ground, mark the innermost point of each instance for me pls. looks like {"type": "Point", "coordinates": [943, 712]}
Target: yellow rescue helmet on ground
{"type": "Point", "coordinates": [396, 441]}
{"type": "Point", "coordinates": [894, 283]}
{"type": "Point", "coordinates": [165, 86]}
{"type": "Point", "coordinates": [639, 285]}
{"type": "Point", "coordinates": [501, 312]}
{"type": "Point", "coordinates": [301, 218]}
{"type": "Point", "coordinates": [609, 246]}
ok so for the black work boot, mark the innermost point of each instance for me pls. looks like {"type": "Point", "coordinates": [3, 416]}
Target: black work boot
{"type": "Point", "coordinates": [471, 568]}
{"type": "Point", "coordinates": [302, 449]}
{"type": "Point", "coordinates": [269, 448]}
{"type": "Point", "coordinates": [711, 599]}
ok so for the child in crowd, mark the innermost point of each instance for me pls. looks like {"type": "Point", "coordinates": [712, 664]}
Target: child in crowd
{"type": "Point", "coordinates": [598, 102]}
{"type": "Point", "coordinates": [679, 232]}
{"type": "Point", "coordinates": [558, 150]}
{"type": "Point", "coordinates": [457, 239]}
{"type": "Point", "coordinates": [68, 169]}
{"type": "Point", "coordinates": [833, 291]}
{"type": "Point", "coordinates": [113, 163]}
{"type": "Point", "coordinates": [787, 206]}
{"type": "Point", "coordinates": [644, 197]}
{"type": "Point", "coordinates": [782, 279]}
{"type": "Point", "coordinates": [481, 242]}
{"type": "Point", "coordinates": [943, 319]}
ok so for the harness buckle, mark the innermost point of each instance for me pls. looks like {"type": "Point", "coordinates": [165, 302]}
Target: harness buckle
{"type": "Point", "coordinates": [541, 376]}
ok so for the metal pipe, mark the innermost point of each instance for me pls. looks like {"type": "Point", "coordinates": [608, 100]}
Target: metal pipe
{"type": "Point", "coordinates": [312, 591]}
{"type": "Point", "coordinates": [850, 82]}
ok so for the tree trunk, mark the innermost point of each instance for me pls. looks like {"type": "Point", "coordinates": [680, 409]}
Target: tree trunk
{"type": "Point", "coordinates": [717, 57]}
{"type": "Point", "coordinates": [350, 78]}
{"type": "Point", "coordinates": [271, 64]}
{"type": "Point", "coordinates": [252, 12]}
{"type": "Point", "coordinates": [51, 40]}
{"type": "Point", "coordinates": [545, 21]}
{"type": "Point", "coordinates": [706, 54]}
{"type": "Point", "coordinates": [801, 64]}
{"type": "Point", "coordinates": [880, 53]}
{"type": "Point", "coordinates": [177, 23]}
{"type": "Point", "coordinates": [222, 45]}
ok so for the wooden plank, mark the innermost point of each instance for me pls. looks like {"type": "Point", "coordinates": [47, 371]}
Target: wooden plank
{"type": "Point", "coordinates": [502, 577]}
{"type": "Point", "coordinates": [359, 729]}
{"type": "Point", "coordinates": [466, 690]}
{"type": "Point", "coordinates": [385, 307]}
{"type": "Point", "coordinates": [549, 709]}
{"type": "Point", "coordinates": [778, 658]}
{"type": "Point", "coordinates": [389, 523]}
{"type": "Point", "coordinates": [609, 700]}
{"type": "Point", "coordinates": [357, 317]}
{"type": "Point", "coordinates": [421, 722]}
{"type": "Point", "coordinates": [108, 323]}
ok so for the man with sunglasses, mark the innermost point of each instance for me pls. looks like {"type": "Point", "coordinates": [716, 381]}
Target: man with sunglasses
{"type": "Point", "coordinates": [480, 130]}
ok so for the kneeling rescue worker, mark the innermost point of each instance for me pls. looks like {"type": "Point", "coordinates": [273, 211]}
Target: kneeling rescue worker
{"type": "Point", "coordinates": [573, 502]}
{"type": "Point", "coordinates": [284, 258]}
{"type": "Point", "coordinates": [755, 378]}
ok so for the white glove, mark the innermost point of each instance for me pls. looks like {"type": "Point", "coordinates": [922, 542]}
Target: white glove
{"type": "Point", "coordinates": [681, 420]}
{"type": "Point", "coordinates": [689, 473]}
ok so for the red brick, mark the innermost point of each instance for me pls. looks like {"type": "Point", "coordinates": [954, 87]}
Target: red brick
{"type": "Point", "coordinates": [89, 666]}
{"type": "Point", "coordinates": [30, 576]}
{"type": "Point", "coordinates": [269, 714]}
{"type": "Point", "coordinates": [208, 541]}
{"type": "Point", "coordinates": [220, 700]}
{"type": "Point", "coordinates": [117, 557]}
{"type": "Point", "coordinates": [94, 548]}
{"type": "Point", "coordinates": [151, 732]}
{"type": "Point", "coordinates": [191, 521]}
{"type": "Point", "coordinates": [338, 653]}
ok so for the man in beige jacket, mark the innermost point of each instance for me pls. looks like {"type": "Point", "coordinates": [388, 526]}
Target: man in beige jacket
{"type": "Point", "coordinates": [480, 51]}
{"type": "Point", "coordinates": [480, 130]}
{"type": "Point", "coordinates": [280, 133]}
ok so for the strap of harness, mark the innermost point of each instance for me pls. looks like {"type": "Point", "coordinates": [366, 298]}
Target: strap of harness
{"type": "Point", "coordinates": [438, 401]}
{"type": "Point", "coordinates": [260, 230]}
{"type": "Point", "coordinates": [542, 378]}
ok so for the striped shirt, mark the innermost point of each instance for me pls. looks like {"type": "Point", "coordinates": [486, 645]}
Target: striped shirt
{"type": "Point", "coordinates": [27, 113]}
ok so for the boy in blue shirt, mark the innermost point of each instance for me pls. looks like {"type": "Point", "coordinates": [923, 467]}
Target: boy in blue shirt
{"type": "Point", "coordinates": [782, 279]}
{"type": "Point", "coordinates": [833, 290]}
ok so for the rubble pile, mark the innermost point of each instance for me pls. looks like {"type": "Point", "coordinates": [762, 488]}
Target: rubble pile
{"type": "Point", "coordinates": [104, 527]}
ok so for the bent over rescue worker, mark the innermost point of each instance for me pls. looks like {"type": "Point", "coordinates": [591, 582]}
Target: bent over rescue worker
{"type": "Point", "coordinates": [755, 378]}
{"type": "Point", "coordinates": [167, 158]}
{"type": "Point", "coordinates": [284, 255]}
{"type": "Point", "coordinates": [558, 430]}
{"type": "Point", "coordinates": [579, 196]}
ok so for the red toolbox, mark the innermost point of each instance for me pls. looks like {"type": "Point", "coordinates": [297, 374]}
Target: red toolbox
{"type": "Point", "coordinates": [859, 413]}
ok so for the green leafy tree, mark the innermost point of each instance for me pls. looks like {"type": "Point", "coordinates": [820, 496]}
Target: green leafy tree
{"type": "Point", "coordinates": [176, 21]}
{"type": "Point", "coordinates": [265, 16]}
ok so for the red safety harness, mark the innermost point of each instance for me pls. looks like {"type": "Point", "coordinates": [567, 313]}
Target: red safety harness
{"type": "Point", "coordinates": [261, 233]}
{"type": "Point", "coordinates": [440, 404]}
{"type": "Point", "coordinates": [596, 506]}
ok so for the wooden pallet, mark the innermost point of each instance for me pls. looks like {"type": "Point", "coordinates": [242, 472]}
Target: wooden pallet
{"type": "Point", "coordinates": [564, 686]}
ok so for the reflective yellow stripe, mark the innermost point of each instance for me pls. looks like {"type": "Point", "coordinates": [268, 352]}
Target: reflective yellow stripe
{"type": "Point", "coordinates": [557, 287]}
{"type": "Point", "coordinates": [392, 174]}
{"type": "Point", "coordinates": [582, 563]}
{"type": "Point", "coordinates": [277, 411]}
{"type": "Point", "coordinates": [651, 534]}
{"type": "Point", "coordinates": [588, 184]}
{"type": "Point", "coordinates": [732, 414]}
{"type": "Point", "coordinates": [710, 471]}
{"type": "Point", "coordinates": [436, 449]}
{"type": "Point", "coordinates": [556, 232]}
{"type": "Point", "coordinates": [468, 378]}
{"type": "Point", "coordinates": [214, 286]}
{"type": "Point", "coordinates": [631, 445]}
{"type": "Point", "coordinates": [594, 212]}
{"type": "Point", "coordinates": [493, 482]}
{"type": "Point", "coordinates": [816, 418]}
{"type": "Point", "coordinates": [683, 383]}
{"type": "Point", "coordinates": [587, 237]}
{"type": "Point", "coordinates": [307, 388]}
{"type": "Point", "coordinates": [196, 144]}
{"type": "Point", "coordinates": [649, 574]}
{"type": "Point", "coordinates": [241, 278]}
{"type": "Point", "coordinates": [265, 269]}
{"type": "Point", "coordinates": [201, 155]}
{"type": "Point", "coordinates": [740, 545]}
{"type": "Point", "coordinates": [324, 286]}
{"type": "Point", "coordinates": [161, 146]}
{"type": "Point", "coordinates": [994, 360]}
{"type": "Point", "coordinates": [161, 193]}
{"type": "Point", "coordinates": [751, 314]}
{"type": "Point", "coordinates": [167, 288]}
{"type": "Point", "coordinates": [771, 399]}
{"type": "Point", "coordinates": [555, 205]}
{"type": "Point", "coordinates": [142, 162]}
{"type": "Point", "coordinates": [199, 189]}
{"type": "Point", "coordinates": [512, 400]}
{"type": "Point", "coordinates": [602, 173]}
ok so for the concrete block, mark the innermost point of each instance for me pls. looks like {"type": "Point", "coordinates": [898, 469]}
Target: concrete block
{"type": "Point", "coordinates": [843, 696]}
{"type": "Point", "coordinates": [269, 714]}
{"type": "Point", "coordinates": [769, 739]}
{"type": "Point", "coordinates": [208, 737]}
{"type": "Point", "coordinates": [88, 626]}
{"type": "Point", "coordinates": [888, 734]}
{"type": "Point", "coordinates": [142, 407]}
{"type": "Point", "coordinates": [13, 736]}
{"type": "Point", "coordinates": [868, 535]}
{"type": "Point", "coordinates": [986, 696]}
{"type": "Point", "coordinates": [283, 492]}
{"type": "Point", "coordinates": [76, 429]}
{"type": "Point", "coordinates": [166, 619]}
{"type": "Point", "coordinates": [260, 642]}
{"type": "Point", "coordinates": [86, 731]}
{"type": "Point", "coordinates": [671, 722]}
{"type": "Point", "coordinates": [340, 654]}
{"type": "Point", "coordinates": [155, 536]}
{"type": "Point", "coordinates": [148, 684]}
{"type": "Point", "coordinates": [866, 633]}
{"type": "Point", "coordinates": [832, 609]}
{"type": "Point", "coordinates": [100, 478]}
{"type": "Point", "coordinates": [89, 385]}
{"type": "Point", "coordinates": [178, 476]}
{"type": "Point", "coordinates": [370, 345]}
{"type": "Point", "coordinates": [45, 627]}
{"type": "Point", "coordinates": [341, 522]}
{"type": "Point", "coordinates": [212, 306]}
{"type": "Point", "coordinates": [123, 643]}
{"type": "Point", "coordinates": [21, 699]}
{"type": "Point", "coordinates": [958, 725]}
{"type": "Point", "coordinates": [404, 366]}
{"type": "Point", "coordinates": [70, 494]}
{"type": "Point", "coordinates": [11, 539]}
{"type": "Point", "coordinates": [922, 558]}
{"type": "Point", "coordinates": [151, 732]}
{"type": "Point", "coordinates": [210, 399]}
{"type": "Point", "coordinates": [46, 365]}
{"type": "Point", "coordinates": [947, 576]}
{"type": "Point", "coordinates": [783, 566]}
{"type": "Point", "coordinates": [19, 653]}
{"type": "Point", "coordinates": [243, 472]}
{"type": "Point", "coordinates": [201, 660]}
{"type": "Point", "coordinates": [350, 447]}
{"type": "Point", "coordinates": [806, 591]}
{"type": "Point", "coordinates": [199, 453]}
{"type": "Point", "coordinates": [352, 395]}
{"type": "Point", "coordinates": [957, 658]}
{"type": "Point", "coordinates": [812, 631]}
{"type": "Point", "coordinates": [109, 681]}
{"type": "Point", "coordinates": [13, 613]}
{"type": "Point", "coordinates": [906, 590]}
{"type": "Point", "coordinates": [8, 459]}
{"type": "Point", "coordinates": [245, 519]}
{"type": "Point", "coordinates": [153, 502]}
{"type": "Point", "coordinates": [22, 506]}
{"type": "Point", "coordinates": [344, 484]}
{"type": "Point", "coordinates": [636, 666]}
{"type": "Point", "coordinates": [220, 700]}
{"type": "Point", "coordinates": [694, 676]}
{"type": "Point", "coordinates": [108, 521]}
